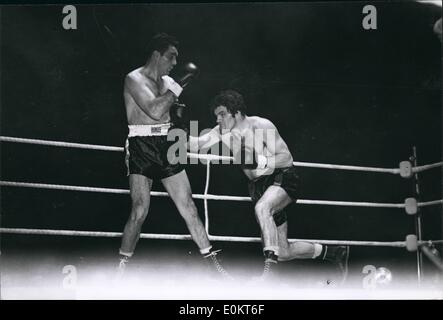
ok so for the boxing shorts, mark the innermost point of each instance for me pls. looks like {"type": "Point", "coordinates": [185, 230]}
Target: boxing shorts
{"type": "Point", "coordinates": [146, 151]}
{"type": "Point", "coordinates": [286, 178]}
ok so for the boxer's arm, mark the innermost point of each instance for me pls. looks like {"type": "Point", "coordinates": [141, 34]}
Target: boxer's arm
{"type": "Point", "coordinates": [206, 140]}
{"type": "Point", "coordinates": [154, 107]}
{"type": "Point", "coordinates": [281, 156]}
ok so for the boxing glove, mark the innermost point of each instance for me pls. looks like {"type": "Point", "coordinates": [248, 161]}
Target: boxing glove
{"type": "Point", "coordinates": [172, 86]}
{"type": "Point", "coordinates": [188, 72]}
{"type": "Point", "coordinates": [180, 117]}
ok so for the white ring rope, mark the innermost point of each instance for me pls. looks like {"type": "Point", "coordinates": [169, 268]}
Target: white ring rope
{"type": "Point", "coordinates": [76, 233]}
{"type": "Point", "coordinates": [216, 157]}
{"type": "Point", "coordinates": [426, 167]}
{"type": "Point", "coordinates": [207, 196]}
{"type": "Point", "coordinates": [343, 167]}
{"type": "Point", "coordinates": [429, 203]}
{"type": "Point", "coordinates": [61, 144]}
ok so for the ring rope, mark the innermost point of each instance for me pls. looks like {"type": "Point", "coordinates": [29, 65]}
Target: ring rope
{"type": "Point", "coordinates": [216, 157]}
{"type": "Point", "coordinates": [208, 196]}
{"type": "Point", "coordinates": [345, 167]}
{"type": "Point", "coordinates": [429, 203]}
{"type": "Point", "coordinates": [352, 203]}
{"type": "Point", "coordinates": [61, 144]}
{"type": "Point", "coordinates": [430, 242]}
{"type": "Point", "coordinates": [91, 233]}
{"type": "Point", "coordinates": [426, 167]}
{"type": "Point", "coordinates": [396, 244]}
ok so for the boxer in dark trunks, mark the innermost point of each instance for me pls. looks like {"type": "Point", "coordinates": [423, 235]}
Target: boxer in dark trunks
{"type": "Point", "coordinates": [273, 181]}
{"type": "Point", "coordinates": [149, 94]}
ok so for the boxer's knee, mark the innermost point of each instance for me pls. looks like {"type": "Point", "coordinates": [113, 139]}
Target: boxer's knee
{"type": "Point", "coordinates": [140, 208]}
{"type": "Point", "coordinates": [263, 210]}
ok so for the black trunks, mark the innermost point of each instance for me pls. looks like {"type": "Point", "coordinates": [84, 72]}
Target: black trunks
{"type": "Point", "coordinates": [147, 154]}
{"type": "Point", "coordinates": [286, 178]}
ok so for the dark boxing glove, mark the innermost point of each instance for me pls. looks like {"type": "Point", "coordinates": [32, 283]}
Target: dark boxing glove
{"type": "Point", "coordinates": [180, 117]}
{"type": "Point", "coordinates": [179, 114]}
{"type": "Point", "coordinates": [188, 72]}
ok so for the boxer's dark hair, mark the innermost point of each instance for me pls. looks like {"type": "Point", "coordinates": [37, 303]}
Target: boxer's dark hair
{"type": "Point", "coordinates": [231, 99]}
{"type": "Point", "coordinates": [160, 42]}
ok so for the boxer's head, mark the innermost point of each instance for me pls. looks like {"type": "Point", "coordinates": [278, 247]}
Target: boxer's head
{"type": "Point", "coordinates": [162, 49]}
{"type": "Point", "coordinates": [227, 106]}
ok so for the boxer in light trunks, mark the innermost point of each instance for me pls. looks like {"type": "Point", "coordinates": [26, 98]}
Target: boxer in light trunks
{"type": "Point", "coordinates": [149, 94]}
{"type": "Point", "coordinates": [273, 181]}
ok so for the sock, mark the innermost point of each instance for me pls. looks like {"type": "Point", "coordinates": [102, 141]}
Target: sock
{"type": "Point", "coordinates": [271, 248]}
{"type": "Point", "coordinates": [318, 248]}
{"type": "Point", "coordinates": [125, 255]}
{"type": "Point", "coordinates": [270, 256]}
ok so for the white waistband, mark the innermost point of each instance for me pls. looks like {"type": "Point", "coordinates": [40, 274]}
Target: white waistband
{"type": "Point", "coordinates": [149, 130]}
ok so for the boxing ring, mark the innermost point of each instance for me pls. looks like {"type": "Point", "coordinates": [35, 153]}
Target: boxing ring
{"type": "Point", "coordinates": [407, 170]}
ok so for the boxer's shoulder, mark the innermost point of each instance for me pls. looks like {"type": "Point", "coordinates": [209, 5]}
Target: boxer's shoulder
{"type": "Point", "coordinates": [260, 122]}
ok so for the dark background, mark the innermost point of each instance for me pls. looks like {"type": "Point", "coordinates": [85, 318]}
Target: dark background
{"type": "Point", "coordinates": [337, 93]}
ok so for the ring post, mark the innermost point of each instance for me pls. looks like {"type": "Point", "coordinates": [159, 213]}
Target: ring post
{"type": "Point", "coordinates": [417, 216]}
